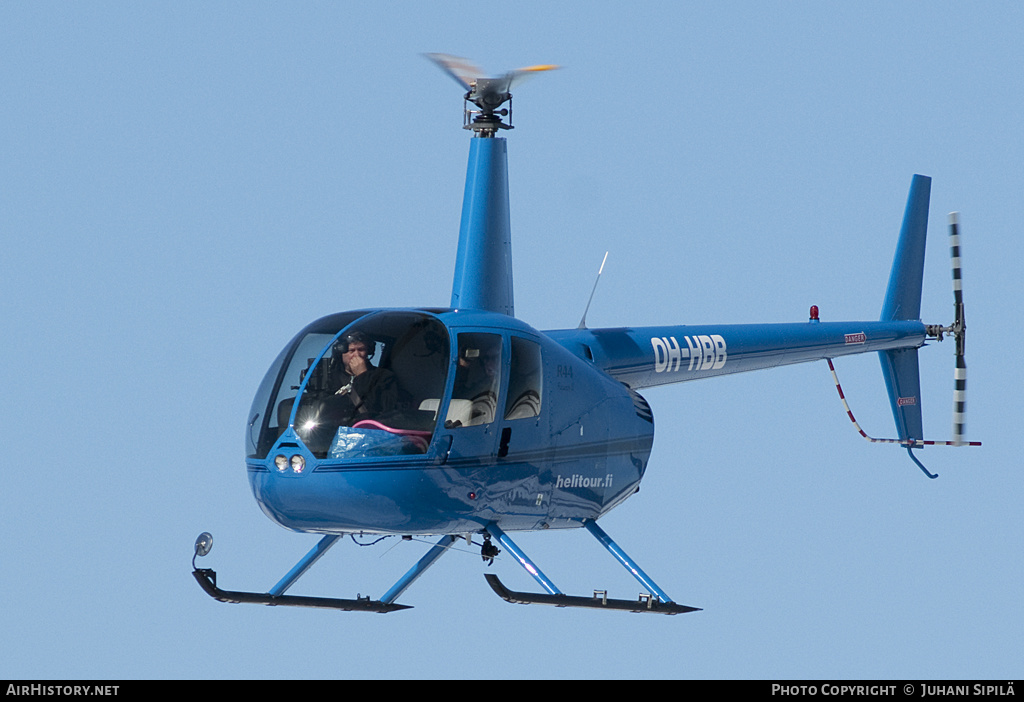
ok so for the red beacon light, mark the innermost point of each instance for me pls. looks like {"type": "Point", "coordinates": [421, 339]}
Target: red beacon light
{"type": "Point", "coordinates": [814, 314]}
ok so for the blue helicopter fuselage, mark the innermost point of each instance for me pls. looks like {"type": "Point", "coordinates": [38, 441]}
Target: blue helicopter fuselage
{"type": "Point", "coordinates": [574, 448]}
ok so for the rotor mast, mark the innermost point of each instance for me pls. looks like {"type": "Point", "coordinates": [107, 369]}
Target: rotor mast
{"type": "Point", "coordinates": [483, 264]}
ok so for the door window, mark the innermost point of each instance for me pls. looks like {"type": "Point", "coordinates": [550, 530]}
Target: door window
{"type": "Point", "coordinates": [525, 380]}
{"type": "Point", "coordinates": [477, 381]}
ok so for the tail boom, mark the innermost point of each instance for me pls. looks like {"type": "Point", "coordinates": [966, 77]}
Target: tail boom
{"type": "Point", "coordinates": [644, 357]}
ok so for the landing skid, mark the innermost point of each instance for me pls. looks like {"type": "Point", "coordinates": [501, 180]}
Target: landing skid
{"type": "Point", "coordinates": [657, 601]}
{"type": "Point", "coordinates": [207, 580]}
{"type": "Point", "coordinates": [646, 603]}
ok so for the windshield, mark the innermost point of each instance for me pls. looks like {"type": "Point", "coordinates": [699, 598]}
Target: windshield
{"type": "Point", "coordinates": [282, 381]}
{"type": "Point", "coordinates": [372, 387]}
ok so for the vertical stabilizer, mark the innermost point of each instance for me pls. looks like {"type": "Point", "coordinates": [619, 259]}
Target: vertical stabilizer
{"type": "Point", "coordinates": [903, 296]}
{"type": "Point", "coordinates": [902, 303]}
{"type": "Point", "coordinates": [483, 266]}
{"type": "Point", "coordinates": [903, 381]}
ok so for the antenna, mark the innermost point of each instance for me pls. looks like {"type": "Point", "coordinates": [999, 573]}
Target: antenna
{"type": "Point", "coordinates": [583, 320]}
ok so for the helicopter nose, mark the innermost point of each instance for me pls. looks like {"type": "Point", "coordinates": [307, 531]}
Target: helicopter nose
{"type": "Point", "coordinates": [345, 500]}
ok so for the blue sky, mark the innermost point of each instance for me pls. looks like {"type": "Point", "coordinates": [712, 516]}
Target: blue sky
{"type": "Point", "coordinates": [183, 187]}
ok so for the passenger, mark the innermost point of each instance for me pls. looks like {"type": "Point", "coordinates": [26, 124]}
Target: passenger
{"type": "Point", "coordinates": [477, 372]}
{"type": "Point", "coordinates": [476, 380]}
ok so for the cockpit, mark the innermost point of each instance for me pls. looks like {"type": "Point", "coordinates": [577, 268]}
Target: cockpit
{"type": "Point", "coordinates": [355, 385]}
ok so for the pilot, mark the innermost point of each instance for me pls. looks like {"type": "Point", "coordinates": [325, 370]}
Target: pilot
{"type": "Point", "coordinates": [365, 391]}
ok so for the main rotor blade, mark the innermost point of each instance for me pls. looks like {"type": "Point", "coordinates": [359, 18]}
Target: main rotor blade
{"type": "Point", "coordinates": [462, 70]}
{"type": "Point", "coordinates": [467, 74]}
{"type": "Point", "coordinates": [518, 76]}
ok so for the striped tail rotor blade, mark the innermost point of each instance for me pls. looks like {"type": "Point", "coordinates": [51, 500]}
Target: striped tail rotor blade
{"type": "Point", "coordinates": [960, 401]}
{"type": "Point", "coordinates": [954, 253]}
{"type": "Point", "coordinates": [960, 332]}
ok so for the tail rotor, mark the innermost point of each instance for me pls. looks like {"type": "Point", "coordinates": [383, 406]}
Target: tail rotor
{"type": "Point", "coordinates": [957, 330]}
{"type": "Point", "coordinates": [959, 333]}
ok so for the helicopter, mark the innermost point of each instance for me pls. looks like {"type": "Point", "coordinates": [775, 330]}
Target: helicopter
{"type": "Point", "coordinates": [463, 421]}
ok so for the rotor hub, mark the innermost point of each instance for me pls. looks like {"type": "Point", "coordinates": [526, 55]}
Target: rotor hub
{"type": "Point", "coordinates": [487, 94]}
{"type": "Point", "coordinates": [486, 121]}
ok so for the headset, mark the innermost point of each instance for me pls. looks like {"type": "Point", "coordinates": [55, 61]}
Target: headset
{"type": "Point", "coordinates": [342, 344]}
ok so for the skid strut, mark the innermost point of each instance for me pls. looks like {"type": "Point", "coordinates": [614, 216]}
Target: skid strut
{"type": "Point", "coordinates": [657, 601]}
